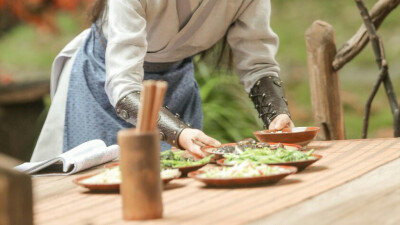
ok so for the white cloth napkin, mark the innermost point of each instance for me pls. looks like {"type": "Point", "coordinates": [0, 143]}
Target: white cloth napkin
{"type": "Point", "coordinates": [84, 156]}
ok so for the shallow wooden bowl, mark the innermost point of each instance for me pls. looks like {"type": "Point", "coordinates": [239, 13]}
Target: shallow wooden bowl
{"type": "Point", "coordinates": [298, 135]}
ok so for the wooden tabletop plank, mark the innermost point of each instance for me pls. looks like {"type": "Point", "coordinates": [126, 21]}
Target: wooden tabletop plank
{"type": "Point", "coordinates": [287, 196]}
{"type": "Point", "coordinates": [186, 200]}
{"type": "Point", "coordinates": [373, 198]}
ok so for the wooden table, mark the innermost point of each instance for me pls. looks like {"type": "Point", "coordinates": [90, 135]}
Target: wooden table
{"type": "Point", "coordinates": [356, 182]}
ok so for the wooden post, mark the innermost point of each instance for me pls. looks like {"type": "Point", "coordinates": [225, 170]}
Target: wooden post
{"type": "Point", "coordinates": [324, 81]}
{"type": "Point", "coordinates": [21, 104]}
{"type": "Point", "coordinates": [16, 200]}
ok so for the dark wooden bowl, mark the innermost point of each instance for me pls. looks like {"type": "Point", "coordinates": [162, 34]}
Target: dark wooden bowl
{"type": "Point", "coordinates": [217, 155]}
{"type": "Point", "coordinates": [186, 169]}
{"type": "Point", "coordinates": [298, 135]}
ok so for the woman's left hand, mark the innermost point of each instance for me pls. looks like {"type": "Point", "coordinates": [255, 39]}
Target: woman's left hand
{"type": "Point", "coordinates": [280, 122]}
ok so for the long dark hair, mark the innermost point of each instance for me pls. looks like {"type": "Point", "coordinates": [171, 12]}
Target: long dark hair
{"type": "Point", "coordinates": [220, 55]}
{"type": "Point", "coordinates": [97, 10]}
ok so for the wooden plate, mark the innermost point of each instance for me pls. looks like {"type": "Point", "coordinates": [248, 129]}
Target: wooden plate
{"type": "Point", "coordinates": [112, 186]}
{"type": "Point", "coordinates": [111, 165]}
{"type": "Point", "coordinates": [300, 165]}
{"type": "Point", "coordinates": [96, 187]}
{"type": "Point", "coordinates": [298, 135]}
{"type": "Point", "coordinates": [244, 181]}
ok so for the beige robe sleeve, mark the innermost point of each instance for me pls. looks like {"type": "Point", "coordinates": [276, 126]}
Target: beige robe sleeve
{"type": "Point", "coordinates": [254, 44]}
{"type": "Point", "coordinates": [126, 48]}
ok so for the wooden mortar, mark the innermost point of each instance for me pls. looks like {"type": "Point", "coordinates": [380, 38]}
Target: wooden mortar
{"type": "Point", "coordinates": [140, 169]}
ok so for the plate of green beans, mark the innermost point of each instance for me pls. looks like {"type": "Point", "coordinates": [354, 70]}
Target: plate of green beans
{"type": "Point", "coordinates": [266, 155]}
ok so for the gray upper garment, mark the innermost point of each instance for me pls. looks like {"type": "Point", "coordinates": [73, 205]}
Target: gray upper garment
{"type": "Point", "coordinates": [149, 30]}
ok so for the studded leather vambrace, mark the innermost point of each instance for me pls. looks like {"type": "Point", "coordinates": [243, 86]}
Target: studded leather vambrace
{"type": "Point", "coordinates": [269, 99]}
{"type": "Point", "coordinates": [170, 125]}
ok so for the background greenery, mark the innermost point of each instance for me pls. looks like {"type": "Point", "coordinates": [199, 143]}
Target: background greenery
{"type": "Point", "coordinates": [27, 54]}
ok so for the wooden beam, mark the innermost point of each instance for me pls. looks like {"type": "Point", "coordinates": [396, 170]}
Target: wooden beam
{"type": "Point", "coordinates": [21, 93]}
{"type": "Point", "coordinates": [324, 81]}
{"type": "Point", "coordinates": [16, 201]}
{"type": "Point", "coordinates": [359, 40]}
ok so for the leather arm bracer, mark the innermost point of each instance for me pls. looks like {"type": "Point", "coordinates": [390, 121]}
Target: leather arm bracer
{"type": "Point", "coordinates": [269, 99]}
{"type": "Point", "coordinates": [170, 125]}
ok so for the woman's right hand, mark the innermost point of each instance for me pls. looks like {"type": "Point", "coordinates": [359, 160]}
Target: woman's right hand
{"type": "Point", "coordinates": [193, 139]}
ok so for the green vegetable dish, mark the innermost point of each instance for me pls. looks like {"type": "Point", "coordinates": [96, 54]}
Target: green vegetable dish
{"type": "Point", "coordinates": [175, 159]}
{"type": "Point", "coordinates": [267, 156]}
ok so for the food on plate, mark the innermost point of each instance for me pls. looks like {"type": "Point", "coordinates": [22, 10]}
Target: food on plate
{"type": "Point", "coordinates": [240, 147]}
{"type": "Point", "coordinates": [267, 155]}
{"type": "Point", "coordinates": [113, 176]}
{"type": "Point", "coordinates": [241, 170]}
{"type": "Point", "coordinates": [176, 159]}
{"type": "Point", "coordinates": [277, 132]}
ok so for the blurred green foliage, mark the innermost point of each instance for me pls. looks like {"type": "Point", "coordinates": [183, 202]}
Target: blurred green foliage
{"type": "Point", "coordinates": [26, 53]}
{"type": "Point", "coordinates": [290, 19]}
{"type": "Point", "coordinates": [229, 113]}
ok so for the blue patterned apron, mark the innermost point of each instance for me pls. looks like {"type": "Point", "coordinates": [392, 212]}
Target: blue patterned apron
{"type": "Point", "coordinates": [89, 114]}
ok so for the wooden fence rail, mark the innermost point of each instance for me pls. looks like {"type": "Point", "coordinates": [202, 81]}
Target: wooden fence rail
{"type": "Point", "coordinates": [324, 63]}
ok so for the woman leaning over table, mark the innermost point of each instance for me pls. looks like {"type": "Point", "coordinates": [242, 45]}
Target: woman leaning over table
{"type": "Point", "coordinates": [97, 78]}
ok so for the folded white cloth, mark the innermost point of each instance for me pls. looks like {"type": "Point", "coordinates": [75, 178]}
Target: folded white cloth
{"type": "Point", "coordinates": [84, 156]}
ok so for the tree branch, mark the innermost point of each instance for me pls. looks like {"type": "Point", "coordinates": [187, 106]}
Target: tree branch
{"type": "Point", "coordinates": [357, 43]}
{"type": "Point", "coordinates": [383, 73]}
{"type": "Point", "coordinates": [377, 46]}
